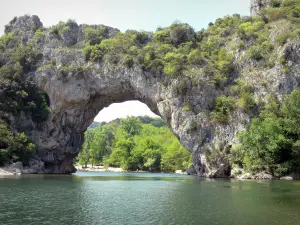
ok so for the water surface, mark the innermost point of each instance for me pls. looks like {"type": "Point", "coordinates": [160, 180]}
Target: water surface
{"type": "Point", "coordinates": [145, 198]}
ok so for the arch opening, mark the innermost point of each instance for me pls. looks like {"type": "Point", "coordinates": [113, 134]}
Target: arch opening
{"type": "Point", "coordinates": [129, 136]}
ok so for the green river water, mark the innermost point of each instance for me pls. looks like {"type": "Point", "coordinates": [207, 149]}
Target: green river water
{"type": "Point", "coordinates": [145, 198]}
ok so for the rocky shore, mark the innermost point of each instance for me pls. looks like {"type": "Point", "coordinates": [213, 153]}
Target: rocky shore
{"type": "Point", "coordinates": [4, 172]}
{"type": "Point", "coordinates": [18, 169]}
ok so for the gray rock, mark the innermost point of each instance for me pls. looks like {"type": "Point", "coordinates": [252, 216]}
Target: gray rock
{"type": "Point", "coordinates": [70, 34]}
{"type": "Point", "coordinates": [236, 172]}
{"type": "Point", "coordinates": [15, 167]}
{"type": "Point", "coordinates": [191, 171]}
{"type": "Point", "coordinates": [258, 5]}
{"type": "Point", "coordinates": [257, 176]}
{"type": "Point", "coordinates": [286, 178]}
{"type": "Point", "coordinates": [292, 176]}
{"type": "Point", "coordinates": [263, 176]}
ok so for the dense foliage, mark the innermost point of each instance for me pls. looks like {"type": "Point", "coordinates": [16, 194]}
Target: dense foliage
{"type": "Point", "coordinates": [14, 146]}
{"type": "Point", "coordinates": [19, 97]}
{"type": "Point", "coordinates": [177, 49]}
{"type": "Point", "coordinates": [272, 142]}
{"type": "Point", "coordinates": [142, 143]}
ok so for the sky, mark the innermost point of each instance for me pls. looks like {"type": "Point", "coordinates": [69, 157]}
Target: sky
{"type": "Point", "coordinates": [124, 14]}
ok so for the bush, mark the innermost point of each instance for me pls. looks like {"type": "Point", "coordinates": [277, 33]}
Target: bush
{"type": "Point", "coordinates": [255, 52]}
{"type": "Point", "coordinates": [282, 61]}
{"type": "Point", "coordinates": [224, 105]}
{"type": "Point", "coordinates": [163, 49]}
{"type": "Point", "coordinates": [94, 36]}
{"type": "Point", "coordinates": [224, 62]}
{"type": "Point", "coordinates": [271, 143]}
{"type": "Point", "coordinates": [276, 3]}
{"type": "Point", "coordinates": [14, 147]}
{"type": "Point", "coordinates": [176, 34]}
{"type": "Point", "coordinates": [18, 93]}
{"type": "Point", "coordinates": [209, 47]}
{"type": "Point", "coordinates": [267, 46]}
{"type": "Point", "coordinates": [181, 33]}
{"type": "Point", "coordinates": [173, 64]}
{"type": "Point", "coordinates": [171, 70]}
{"type": "Point", "coordinates": [93, 53]}
{"type": "Point", "coordinates": [27, 56]}
{"type": "Point", "coordinates": [139, 38]}
{"type": "Point", "coordinates": [5, 40]}
{"type": "Point", "coordinates": [282, 38]}
{"type": "Point", "coordinates": [262, 145]}
{"type": "Point", "coordinates": [291, 10]}
{"type": "Point", "coordinates": [162, 36]}
{"type": "Point", "coordinates": [246, 101]}
{"type": "Point", "coordinates": [195, 58]}
{"type": "Point", "coordinates": [186, 108]}
{"type": "Point", "coordinates": [275, 14]}
{"type": "Point", "coordinates": [290, 3]}
{"type": "Point", "coordinates": [38, 34]}
{"type": "Point", "coordinates": [249, 29]}
{"type": "Point", "coordinates": [128, 61]}
{"type": "Point", "coordinates": [260, 51]}
{"type": "Point", "coordinates": [219, 81]}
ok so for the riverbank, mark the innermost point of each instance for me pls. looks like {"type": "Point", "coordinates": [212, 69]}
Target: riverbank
{"type": "Point", "coordinates": [239, 174]}
{"type": "Point", "coordinates": [91, 168]}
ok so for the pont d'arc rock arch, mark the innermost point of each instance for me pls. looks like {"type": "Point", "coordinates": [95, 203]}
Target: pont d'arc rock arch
{"type": "Point", "coordinates": [78, 96]}
{"type": "Point", "coordinates": [78, 88]}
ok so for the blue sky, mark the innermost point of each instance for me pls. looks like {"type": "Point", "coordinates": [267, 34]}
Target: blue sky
{"type": "Point", "coordinates": [125, 14]}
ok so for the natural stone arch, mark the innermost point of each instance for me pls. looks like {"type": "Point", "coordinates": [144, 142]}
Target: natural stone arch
{"type": "Point", "coordinates": [78, 89]}
{"type": "Point", "coordinates": [78, 97]}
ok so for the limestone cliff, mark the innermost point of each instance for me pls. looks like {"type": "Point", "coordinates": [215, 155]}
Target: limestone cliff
{"type": "Point", "coordinates": [78, 87]}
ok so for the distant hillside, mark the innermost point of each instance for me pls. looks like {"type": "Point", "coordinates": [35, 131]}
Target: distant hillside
{"type": "Point", "coordinates": [94, 124]}
{"type": "Point", "coordinates": [154, 121]}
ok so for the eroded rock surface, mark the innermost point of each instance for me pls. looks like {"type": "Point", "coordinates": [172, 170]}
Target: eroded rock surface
{"type": "Point", "coordinates": [257, 5]}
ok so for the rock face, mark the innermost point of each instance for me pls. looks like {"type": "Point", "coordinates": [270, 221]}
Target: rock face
{"type": "Point", "coordinates": [257, 5]}
{"type": "Point", "coordinates": [77, 95]}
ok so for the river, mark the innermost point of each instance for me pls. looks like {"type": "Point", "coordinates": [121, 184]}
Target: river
{"type": "Point", "coordinates": [145, 198]}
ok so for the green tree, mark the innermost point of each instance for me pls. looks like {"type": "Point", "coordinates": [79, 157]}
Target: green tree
{"type": "Point", "coordinates": [262, 145]}
{"type": "Point", "coordinates": [272, 141]}
{"type": "Point", "coordinates": [84, 154]}
{"type": "Point", "coordinates": [176, 157]}
{"type": "Point", "coordinates": [131, 125]}
{"type": "Point", "coordinates": [223, 107]}
{"type": "Point", "coordinates": [14, 146]}
{"type": "Point", "coordinates": [151, 154]}
{"type": "Point", "coordinates": [142, 143]}
{"type": "Point", "coordinates": [101, 143]}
